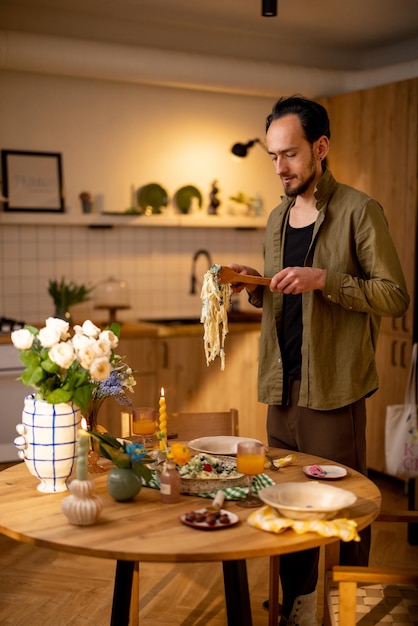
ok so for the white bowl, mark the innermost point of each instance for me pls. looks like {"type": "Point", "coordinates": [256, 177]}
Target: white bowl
{"type": "Point", "coordinates": [221, 444]}
{"type": "Point", "coordinates": [307, 501]}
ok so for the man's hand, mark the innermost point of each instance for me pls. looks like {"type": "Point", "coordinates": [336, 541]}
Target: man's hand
{"type": "Point", "coordinates": [294, 280]}
{"type": "Point", "coordinates": [248, 271]}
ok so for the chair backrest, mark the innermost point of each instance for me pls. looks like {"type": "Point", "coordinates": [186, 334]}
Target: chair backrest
{"type": "Point", "coordinates": [186, 426]}
{"type": "Point", "coordinates": [380, 592]}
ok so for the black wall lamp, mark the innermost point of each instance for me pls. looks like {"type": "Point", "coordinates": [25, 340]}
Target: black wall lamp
{"type": "Point", "coordinates": [268, 8]}
{"type": "Point", "coordinates": [241, 149]}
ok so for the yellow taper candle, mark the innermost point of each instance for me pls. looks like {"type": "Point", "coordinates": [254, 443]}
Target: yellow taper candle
{"type": "Point", "coordinates": [163, 421]}
{"type": "Point", "coordinates": [82, 451]}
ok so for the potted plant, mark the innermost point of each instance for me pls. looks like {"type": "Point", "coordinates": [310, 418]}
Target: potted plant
{"type": "Point", "coordinates": [65, 295]}
{"type": "Point", "coordinates": [131, 462]}
{"type": "Point", "coordinates": [86, 201]}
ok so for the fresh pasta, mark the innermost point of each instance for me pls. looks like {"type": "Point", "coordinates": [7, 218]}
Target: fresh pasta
{"type": "Point", "coordinates": [216, 302]}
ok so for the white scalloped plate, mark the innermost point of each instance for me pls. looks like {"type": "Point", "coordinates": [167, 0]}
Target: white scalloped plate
{"type": "Point", "coordinates": [225, 445]}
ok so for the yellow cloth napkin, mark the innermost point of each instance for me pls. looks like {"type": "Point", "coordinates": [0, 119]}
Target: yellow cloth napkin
{"type": "Point", "coordinates": [268, 519]}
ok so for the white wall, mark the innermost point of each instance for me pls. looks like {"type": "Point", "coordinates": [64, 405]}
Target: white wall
{"type": "Point", "coordinates": [155, 262]}
{"type": "Point", "coordinates": [112, 136]}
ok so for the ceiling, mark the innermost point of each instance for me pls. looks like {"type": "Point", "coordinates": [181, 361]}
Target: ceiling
{"type": "Point", "coordinates": [333, 34]}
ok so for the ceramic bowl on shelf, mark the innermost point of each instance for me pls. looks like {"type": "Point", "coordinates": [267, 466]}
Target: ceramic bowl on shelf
{"type": "Point", "coordinates": [308, 500]}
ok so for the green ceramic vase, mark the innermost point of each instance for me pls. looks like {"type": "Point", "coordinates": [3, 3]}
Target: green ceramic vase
{"type": "Point", "coordinates": [123, 484]}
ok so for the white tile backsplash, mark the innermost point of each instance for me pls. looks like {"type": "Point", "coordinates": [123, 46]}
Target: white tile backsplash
{"type": "Point", "coordinates": [155, 262]}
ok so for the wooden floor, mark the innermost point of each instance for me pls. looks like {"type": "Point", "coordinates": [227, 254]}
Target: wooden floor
{"type": "Point", "coordinates": [39, 587]}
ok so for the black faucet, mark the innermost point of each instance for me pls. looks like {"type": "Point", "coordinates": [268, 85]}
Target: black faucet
{"type": "Point", "coordinates": [195, 257]}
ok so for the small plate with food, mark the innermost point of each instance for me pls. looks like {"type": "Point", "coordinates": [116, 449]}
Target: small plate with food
{"type": "Point", "coordinates": [205, 519]}
{"type": "Point", "coordinates": [325, 472]}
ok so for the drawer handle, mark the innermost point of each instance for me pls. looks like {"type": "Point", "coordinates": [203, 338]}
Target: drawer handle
{"type": "Point", "coordinates": [164, 347]}
{"type": "Point", "coordinates": [403, 349]}
{"type": "Point", "coordinates": [393, 354]}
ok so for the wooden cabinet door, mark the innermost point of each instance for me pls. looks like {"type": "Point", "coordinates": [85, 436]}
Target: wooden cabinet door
{"type": "Point", "coordinates": [394, 357]}
{"type": "Point", "coordinates": [141, 355]}
{"type": "Point", "coordinates": [374, 148]}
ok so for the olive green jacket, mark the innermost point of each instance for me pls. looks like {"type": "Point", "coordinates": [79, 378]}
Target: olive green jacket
{"type": "Point", "coordinates": [364, 281]}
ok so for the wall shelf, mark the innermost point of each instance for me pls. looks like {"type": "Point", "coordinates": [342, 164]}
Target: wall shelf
{"type": "Point", "coordinates": [113, 219]}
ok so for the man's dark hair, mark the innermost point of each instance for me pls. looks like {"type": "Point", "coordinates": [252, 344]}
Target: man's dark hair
{"type": "Point", "coordinates": [313, 116]}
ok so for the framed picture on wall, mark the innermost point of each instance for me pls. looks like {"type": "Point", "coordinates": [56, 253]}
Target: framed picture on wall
{"type": "Point", "coordinates": [32, 181]}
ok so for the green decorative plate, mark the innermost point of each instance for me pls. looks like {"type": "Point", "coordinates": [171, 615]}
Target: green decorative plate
{"type": "Point", "coordinates": [152, 197]}
{"type": "Point", "coordinates": [183, 198]}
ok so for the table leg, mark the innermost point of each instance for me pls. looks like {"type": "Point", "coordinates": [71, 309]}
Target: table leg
{"type": "Point", "coordinates": [122, 593]}
{"type": "Point", "coordinates": [274, 590]}
{"type": "Point", "coordinates": [237, 597]}
{"type": "Point", "coordinates": [134, 608]}
{"type": "Point", "coordinates": [332, 557]}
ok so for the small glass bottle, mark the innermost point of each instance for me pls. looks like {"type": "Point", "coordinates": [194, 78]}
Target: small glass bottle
{"type": "Point", "coordinates": [170, 484]}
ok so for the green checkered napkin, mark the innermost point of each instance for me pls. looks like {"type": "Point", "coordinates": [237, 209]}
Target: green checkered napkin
{"type": "Point", "coordinates": [231, 493]}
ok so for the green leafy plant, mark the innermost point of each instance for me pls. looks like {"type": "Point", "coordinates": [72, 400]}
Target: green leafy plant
{"type": "Point", "coordinates": [242, 198]}
{"type": "Point", "coordinates": [125, 454]}
{"type": "Point", "coordinates": [65, 294]}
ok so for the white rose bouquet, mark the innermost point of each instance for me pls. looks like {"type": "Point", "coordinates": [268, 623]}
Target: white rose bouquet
{"type": "Point", "coordinates": [72, 367]}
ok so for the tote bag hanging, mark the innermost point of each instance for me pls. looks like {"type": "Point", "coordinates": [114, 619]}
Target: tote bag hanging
{"type": "Point", "coordinates": [401, 434]}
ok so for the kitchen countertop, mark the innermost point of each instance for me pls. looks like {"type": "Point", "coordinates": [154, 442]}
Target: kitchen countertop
{"type": "Point", "coordinates": [237, 323]}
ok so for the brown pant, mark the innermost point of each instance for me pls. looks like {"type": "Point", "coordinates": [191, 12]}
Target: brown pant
{"type": "Point", "coordinates": [338, 435]}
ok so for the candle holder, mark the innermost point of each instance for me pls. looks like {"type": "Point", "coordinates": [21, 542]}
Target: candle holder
{"type": "Point", "coordinates": [82, 508]}
{"type": "Point", "coordinates": [93, 466]}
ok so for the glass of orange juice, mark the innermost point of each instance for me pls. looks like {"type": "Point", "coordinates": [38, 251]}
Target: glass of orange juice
{"type": "Point", "coordinates": [144, 424]}
{"type": "Point", "coordinates": [250, 461]}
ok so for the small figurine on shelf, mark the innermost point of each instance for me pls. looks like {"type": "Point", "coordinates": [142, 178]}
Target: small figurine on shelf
{"type": "Point", "coordinates": [86, 202]}
{"type": "Point", "coordinates": [214, 201]}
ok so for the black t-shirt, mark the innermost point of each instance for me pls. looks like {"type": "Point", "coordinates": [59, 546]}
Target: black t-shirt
{"type": "Point", "coordinates": [297, 241]}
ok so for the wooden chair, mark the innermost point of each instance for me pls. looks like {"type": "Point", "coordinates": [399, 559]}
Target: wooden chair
{"type": "Point", "coordinates": [184, 427]}
{"type": "Point", "coordinates": [374, 595]}
{"type": "Point", "coordinates": [187, 426]}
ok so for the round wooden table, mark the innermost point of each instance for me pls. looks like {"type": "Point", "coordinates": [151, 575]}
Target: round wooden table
{"type": "Point", "coordinates": [147, 530]}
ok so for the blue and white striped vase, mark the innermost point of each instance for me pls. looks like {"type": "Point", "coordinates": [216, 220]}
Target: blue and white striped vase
{"type": "Point", "coordinates": [47, 442]}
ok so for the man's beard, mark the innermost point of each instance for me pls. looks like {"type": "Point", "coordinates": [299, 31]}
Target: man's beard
{"type": "Point", "coordinates": [305, 184]}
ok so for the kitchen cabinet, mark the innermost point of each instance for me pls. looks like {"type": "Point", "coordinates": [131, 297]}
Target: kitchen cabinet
{"type": "Point", "coordinates": [141, 354]}
{"type": "Point", "coordinates": [191, 385]}
{"type": "Point", "coordinates": [374, 148]}
{"type": "Point", "coordinates": [173, 358]}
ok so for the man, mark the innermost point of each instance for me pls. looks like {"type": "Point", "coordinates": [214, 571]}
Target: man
{"type": "Point", "coordinates": [335, 273]}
